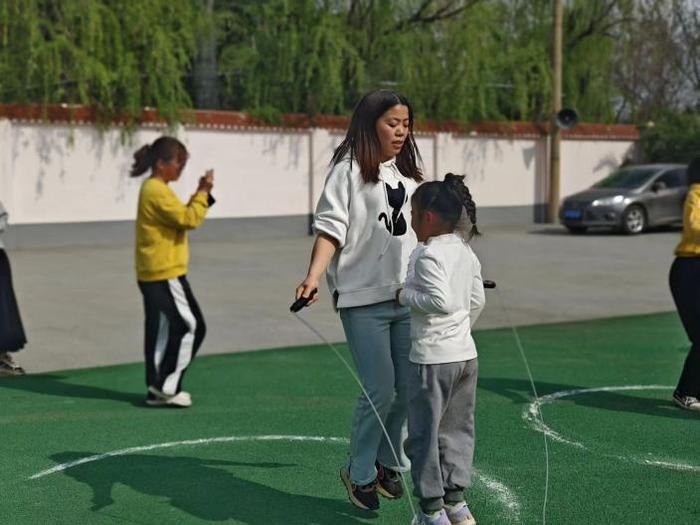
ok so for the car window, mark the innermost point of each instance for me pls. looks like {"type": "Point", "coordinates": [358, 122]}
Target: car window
{"type": "Point", "coordinates": [627, 178]}
{"type": "Point", "coordinates": [674, 178]}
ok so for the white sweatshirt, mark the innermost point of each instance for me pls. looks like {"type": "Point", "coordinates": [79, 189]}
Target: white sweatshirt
{"type": "Point", "coordinates": [371, 223]}
{"type": "Point", "coordinates": [446, 294]}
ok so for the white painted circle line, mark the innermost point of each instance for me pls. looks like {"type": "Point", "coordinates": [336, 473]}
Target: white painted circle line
{"type": "Point", "coordinates": [504, 494]}
{"type": "Point", "coordinates": [188, 442]}
{"type": "Point", "coordinates": [530, 415]}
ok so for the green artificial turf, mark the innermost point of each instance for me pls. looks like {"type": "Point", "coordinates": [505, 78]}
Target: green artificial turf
{"type": "Point", "coordinates": [52, 419]}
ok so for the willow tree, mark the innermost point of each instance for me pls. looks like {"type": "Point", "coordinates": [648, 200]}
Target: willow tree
{"type": "Point", "coordinates": [474, 66]}
{"type": "Point", "coordinates": [115, 55]}
{"type": "Point", "coordinates": [456, 59]}
{"type": "Point", "coordinates": [292, 56]}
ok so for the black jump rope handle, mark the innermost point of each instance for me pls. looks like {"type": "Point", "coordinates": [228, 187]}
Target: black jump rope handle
{"type": "Point", "coordinates": [302, 301]}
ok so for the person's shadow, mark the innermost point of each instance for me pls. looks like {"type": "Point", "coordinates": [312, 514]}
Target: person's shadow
{"type": "Point", "coordinates": [56, 385]}
{"type": "Point", "coordinates": [519, 391]}
{"type": "Point", "coordinates": [207, 489]}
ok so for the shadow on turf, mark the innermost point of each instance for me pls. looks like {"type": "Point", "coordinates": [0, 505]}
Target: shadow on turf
{"type": "Point", "coordinates": [207, 489]}
{"type": "Point", "coordinates": [54, 385]}
{"type": "Point", "coordinates": [520, 392]}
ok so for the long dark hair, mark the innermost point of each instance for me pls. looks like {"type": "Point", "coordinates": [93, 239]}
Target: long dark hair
{"type": "Point", "coordinates": [447, 198]}
{"type": "Point", "coordinates": [361, 141]}
{"type": "Point", "coordinates": [164, 148]}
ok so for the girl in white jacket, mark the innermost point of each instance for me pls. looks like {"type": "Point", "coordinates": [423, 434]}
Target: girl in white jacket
{"type": "Point", "coordinates": [363, 240]}
{"type": "Point", "coordinates": [445, 292]}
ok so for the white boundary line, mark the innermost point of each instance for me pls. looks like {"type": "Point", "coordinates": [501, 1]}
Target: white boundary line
{"type": "Point", "coordinates": [188, 442]}
{"type": "Point", "coordinates": [530, 415]}
{"type": "Point", "coordinates": [502, 492]}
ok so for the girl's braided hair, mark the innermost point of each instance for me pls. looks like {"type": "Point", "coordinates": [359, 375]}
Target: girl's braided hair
{"type": "Point", "coordinates": [449, 199]}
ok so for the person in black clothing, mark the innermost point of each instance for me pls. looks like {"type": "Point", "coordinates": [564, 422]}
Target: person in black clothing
{"type": "Point", "coordinates": [12, 338]}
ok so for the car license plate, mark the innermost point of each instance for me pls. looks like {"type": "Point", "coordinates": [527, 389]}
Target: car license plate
{"type": "Point", "coordinates": [573, 214]}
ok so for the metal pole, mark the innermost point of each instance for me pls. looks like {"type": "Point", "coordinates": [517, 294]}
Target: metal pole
{"type": "Point", "coordinates": [555, 132]}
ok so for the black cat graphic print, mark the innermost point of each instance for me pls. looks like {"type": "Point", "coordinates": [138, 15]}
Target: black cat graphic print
{"type": "Point", "coordinates": [397, 198]}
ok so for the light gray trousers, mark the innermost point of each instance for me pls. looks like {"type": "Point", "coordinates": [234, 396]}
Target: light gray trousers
{"type": "Point", "coordinates": [440, 441]}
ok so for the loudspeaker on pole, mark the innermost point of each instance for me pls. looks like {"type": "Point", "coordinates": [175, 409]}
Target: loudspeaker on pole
{"type": "Point", "coordinates": [567, 118]}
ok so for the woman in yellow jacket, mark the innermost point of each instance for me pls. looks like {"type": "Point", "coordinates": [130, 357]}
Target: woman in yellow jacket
{"type": "Point", "coordinates": [174, 323]}
{"type": "Point", "coordinates": [685, 287]}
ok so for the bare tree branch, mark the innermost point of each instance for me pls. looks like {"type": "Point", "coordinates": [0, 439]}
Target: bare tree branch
{"type": "Point", "coordinates": [422, 15]}
{"type": "Point", "coordinates": [597, 25]}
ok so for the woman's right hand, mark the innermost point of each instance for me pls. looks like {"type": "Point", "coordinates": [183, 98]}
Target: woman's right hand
{"type": "Point", "coordinates": [206, 182]}
{"type": "Point", "coordinates": [306, 289]}
{"type": "Point", "coordinates": [321, 255]}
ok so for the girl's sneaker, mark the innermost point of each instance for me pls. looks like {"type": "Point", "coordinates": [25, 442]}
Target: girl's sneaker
{"type": "Point", "coordinates": [362, 496]}
{"type": "Point", "coordinates": [459, 514]}
{"type": "Point", "coordinates": [434, 518]}
{"type": "Point", "coordinates": [687, 402]}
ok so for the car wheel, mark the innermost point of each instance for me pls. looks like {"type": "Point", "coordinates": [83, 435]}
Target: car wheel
{"type": "Point", "coordinates": [634, 220]}
{"type": "Point", "coordinates": [577, 229]}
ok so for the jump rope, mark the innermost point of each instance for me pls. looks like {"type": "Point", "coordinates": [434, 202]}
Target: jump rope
{"type": "Point", "coordinates": [300, 303]}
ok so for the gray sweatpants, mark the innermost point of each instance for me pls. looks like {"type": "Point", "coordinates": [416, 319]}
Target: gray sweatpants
{"type": "Point", "coordinates": [440, 441]}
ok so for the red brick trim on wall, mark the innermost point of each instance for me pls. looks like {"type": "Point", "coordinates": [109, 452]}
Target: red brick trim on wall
{"type": "Point", "coordinates": [236, 120]}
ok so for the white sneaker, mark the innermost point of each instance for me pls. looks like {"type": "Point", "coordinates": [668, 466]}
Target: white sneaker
{"type": "Point", "coordinates": [435, 518]}
{"type": "Point", "coordinates": [687, 402]}
{"type": "Point", "coordinates": [156, 398]}
{"type": "Point", "coordinates": [459, 514]}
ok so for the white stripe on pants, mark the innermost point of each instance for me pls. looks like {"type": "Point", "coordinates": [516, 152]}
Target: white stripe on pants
{"type": "Point", "coordinates": [174, 331]}
{"type": "Point", "coordinates": [184, 355]}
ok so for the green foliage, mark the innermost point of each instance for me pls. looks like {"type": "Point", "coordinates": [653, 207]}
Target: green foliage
{"type": "Point", "coordinates": [116, 55]}
{"type": "Point", "coordinates": [463, 60]}
{"type": "Point", "coordinates": [674, 137]}
{"type": "Point", "coordinates": [291, 54]}
{"type": "Point", "coordinates": [267, 114]}
{"type": "Point", "coordinates": [490, 61]}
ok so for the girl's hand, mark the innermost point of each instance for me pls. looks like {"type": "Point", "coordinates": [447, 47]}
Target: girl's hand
{"type": "Point", "coordinates": [206, 182]}
{"type": "Point", "coordinates": [305, 289]}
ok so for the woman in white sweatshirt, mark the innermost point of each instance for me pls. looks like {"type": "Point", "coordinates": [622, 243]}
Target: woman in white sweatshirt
{"type": "Point", "coordinates": [364, 242]}
{"type": "Point", "coordinates": [445, 292]}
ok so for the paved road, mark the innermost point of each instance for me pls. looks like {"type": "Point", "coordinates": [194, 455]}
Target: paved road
{"type": "Point", "coordinates": [82, 308]}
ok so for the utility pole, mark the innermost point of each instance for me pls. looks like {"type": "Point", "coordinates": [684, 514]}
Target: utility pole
{"type": "Point", "coordinates": [555, 132]}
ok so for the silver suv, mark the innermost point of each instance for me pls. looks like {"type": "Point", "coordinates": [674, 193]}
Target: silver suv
{"type": "Point", "coordinates": [630, 199]}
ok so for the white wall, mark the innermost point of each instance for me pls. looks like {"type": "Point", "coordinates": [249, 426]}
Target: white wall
{"type": "Point", "coordinates": [500, 172]}
{"type": "Point", "coordinates": [584, 162]}
{"type": "Point", "coordinates": [55, 173]}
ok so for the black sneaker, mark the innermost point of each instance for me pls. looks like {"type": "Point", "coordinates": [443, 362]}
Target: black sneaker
{"type": "Point", "coordinates": [8, 367]}
{"type": "Point", "coordinates": [362, 496]}
{"type": "Point", "coordinates": [687, 402]}
{"type": "Point", "coordinates": [389, 482]}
